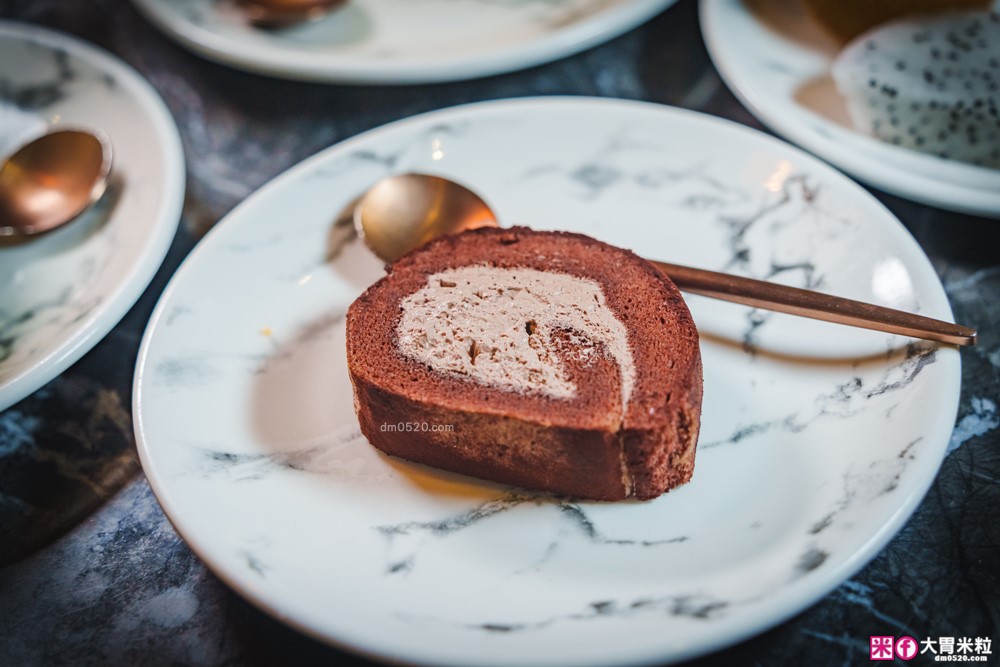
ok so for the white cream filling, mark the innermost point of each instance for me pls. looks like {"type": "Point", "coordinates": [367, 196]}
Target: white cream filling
{"type": "Point", "coordinates": [495, 326]}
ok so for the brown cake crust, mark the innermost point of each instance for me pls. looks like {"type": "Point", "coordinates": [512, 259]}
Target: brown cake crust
{"type": "Point", "coordinates": [582, 446]}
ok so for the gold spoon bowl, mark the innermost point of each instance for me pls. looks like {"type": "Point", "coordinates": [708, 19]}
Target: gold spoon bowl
{"type": "Point", "coordinates": [51, 180]}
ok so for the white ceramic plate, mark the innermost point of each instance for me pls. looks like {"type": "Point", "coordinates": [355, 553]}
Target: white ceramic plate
{"type": "Point", "coordinates": [61, 293]}
{"type": "Point", "coordinates": [816, 445]}
{"type": "Point", "coordinates": [402, 41]}
{"type": "Point", "coordinates": [776, 58]}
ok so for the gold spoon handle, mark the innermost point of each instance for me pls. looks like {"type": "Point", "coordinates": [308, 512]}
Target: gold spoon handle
{"type": "Point", "coordinates": [818, 306]}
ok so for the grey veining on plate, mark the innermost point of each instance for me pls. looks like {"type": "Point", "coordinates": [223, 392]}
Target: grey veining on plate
{"type": "Point", "coordinates": [697, 607]}
{"type": "Point", "coordinates": [334, 455]}
{"type": "Point", "coordinates": [39, 94]}
{"type": "Point", "coordinates": [26, 331]}
{"type": "Point", "coordinates": [847, 398]}
{"type": "Point", "coordinates": [120, 587]}
{"type": "Point", "coordinates": [403, 559]}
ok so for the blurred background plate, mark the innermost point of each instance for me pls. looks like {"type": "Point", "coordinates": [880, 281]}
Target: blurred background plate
{"type": "Point", "coordinates": [776, 59]}
{"type": "Point", "coordinates": [402, 41]}
{"type": "Point", "coordinates": [817, 441]}
{"type": "Point", "coordinates": [62, 292]}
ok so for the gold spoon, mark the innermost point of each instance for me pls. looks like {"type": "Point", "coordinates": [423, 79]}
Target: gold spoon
{"type": "Point", "coordinates": [52, 180]}
{"type": "Point", "coordinates": [403, 212]}
{"type": "Point", "coordinates": [276, 14]}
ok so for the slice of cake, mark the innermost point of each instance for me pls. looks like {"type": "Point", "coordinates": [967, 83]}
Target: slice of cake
{"type": "Point", "coordinates": [545, 360]}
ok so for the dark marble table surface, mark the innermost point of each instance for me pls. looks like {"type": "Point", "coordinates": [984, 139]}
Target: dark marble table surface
{"type": "Point", "coordinates": [91, 572]}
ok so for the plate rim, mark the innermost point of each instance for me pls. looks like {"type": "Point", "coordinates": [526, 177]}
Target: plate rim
{"type": "Point", "coordinates": [885, 176]}
{"type": "Point", "coordinates": [138, 277]}
{"type": "Point", "coordinates": [775, 610]}
{"type": "Point", "coordinates": [561, 43]}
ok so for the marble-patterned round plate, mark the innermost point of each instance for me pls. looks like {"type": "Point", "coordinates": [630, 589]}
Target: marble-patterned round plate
{"type": "Point", "coordinates": [402, 41]}
{"type": "Point", "coordinates": [62, 292]}
{"type": "Point", "coordinates": [817, 441]}
{"type": "Point", "coordinates": [777, 59]}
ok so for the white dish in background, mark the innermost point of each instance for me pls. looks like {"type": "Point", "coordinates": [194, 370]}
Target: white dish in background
{"type": "Point", "coordinates": [777, 60]}
{"type": "Point", "coordinates": [402, 41]}
{"type": "Point", "coordinates": [62, 292]}
{"type": "Point", "coordinates": [816, 445]}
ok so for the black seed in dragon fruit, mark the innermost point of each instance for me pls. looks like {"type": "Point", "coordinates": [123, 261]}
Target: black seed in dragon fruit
{"type": "Point", "coordinates": [930, 83]}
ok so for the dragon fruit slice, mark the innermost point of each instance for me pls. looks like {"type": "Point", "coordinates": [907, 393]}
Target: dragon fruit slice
{"type": "Point", "coordinates": [931, 83]}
